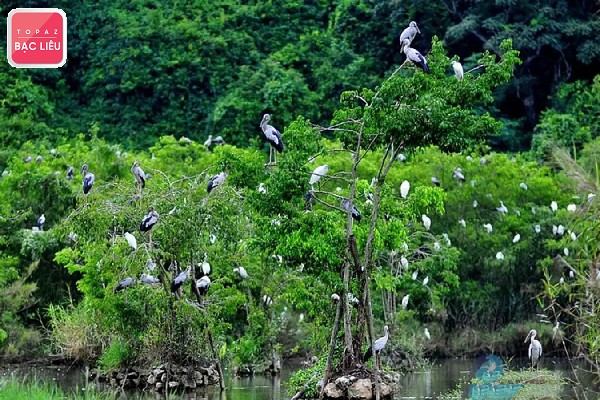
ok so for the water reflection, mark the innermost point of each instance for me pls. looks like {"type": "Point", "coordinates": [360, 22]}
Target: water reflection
{"type": "Point", "coordinates": [441, 377]}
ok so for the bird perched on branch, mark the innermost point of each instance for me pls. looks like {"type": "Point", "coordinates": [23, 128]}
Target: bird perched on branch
{"type": "Point", "coordinates": [408, 34]}
{"type": "Point", "coordinates": [216, 181]}
{"type": "Point", "coordinates": [149, 220]}
{"type": "Point", "coordinates": [140, 176]}
{"type": "Point", "coordinates": [125, 283]}
{"type": "Point", "coordinates": [378, 346]}
{"type": "Point", "coordinates": [273, 137]}
{"type": "Point", "coordinates": [355, 213]}
{"type": "Point", "coordinates": [88, 179]}
{"type": "Point", "coordinates": [458, 70]}
{"type": "Point", "coordinates": [316, 175]}
{"type": "Point", "coordinates": [180, 280]}
{"type": "Point", "coordinates": [414, 56]}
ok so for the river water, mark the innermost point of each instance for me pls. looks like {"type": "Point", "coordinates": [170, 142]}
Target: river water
{"type": "Point", "coordinates": [429, 383]}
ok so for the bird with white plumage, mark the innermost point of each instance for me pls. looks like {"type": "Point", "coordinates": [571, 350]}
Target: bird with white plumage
{"type": "Point", "coordinates": [131, 240]}
{"type": "Point", "coordinates": [458, 70]}
{"type": "Point", "coordinates": [408, 35]}
{"type": "Point", "coordinates": [404, 188]}
{"type": "Point", "coordinates": [426, 221]}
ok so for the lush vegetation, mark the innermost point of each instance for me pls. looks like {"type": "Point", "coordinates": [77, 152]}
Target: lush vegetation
{"type": "Point", "coordinates": [151, 85]}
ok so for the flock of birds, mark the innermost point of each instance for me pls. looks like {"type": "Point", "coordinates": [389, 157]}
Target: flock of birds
{"type": "Point", "coordinates": [201, 286]}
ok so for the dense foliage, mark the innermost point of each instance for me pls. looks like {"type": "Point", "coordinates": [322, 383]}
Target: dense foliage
{"type": "Point", "coordinates": [160, 73]}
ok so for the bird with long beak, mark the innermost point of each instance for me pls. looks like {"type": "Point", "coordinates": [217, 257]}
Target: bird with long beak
{"type": "Point", "coordinates": [535, 348]}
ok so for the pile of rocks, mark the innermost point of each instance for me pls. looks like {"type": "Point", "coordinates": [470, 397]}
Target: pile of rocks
{"type": "Point", "coordinates": [357, 388]}
{"type": "Point", "coordinates": [164, 375]}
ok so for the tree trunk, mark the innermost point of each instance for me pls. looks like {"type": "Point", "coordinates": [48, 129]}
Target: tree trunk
{"type": "Point", "coordinates": [334, 332]}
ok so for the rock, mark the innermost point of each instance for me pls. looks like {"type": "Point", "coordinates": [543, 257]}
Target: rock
{"type": "Point", "coordinates": [132, 375]}
{"type": "Point", "coordinates": [159, 385]}
{"type": "Point", "coordinates": [360, 390]}
{"type": "Point", "coordinates": [332, 391]}
{"type": "Point", "coordinates": [173, 384]}
{"type": "Point", "coordinates": [151, 379]}
{"type": "Point", "coordinates": [157, 371]}
{"type": "Point", "coordinates": [189, 383]}
{"type": "Point", "coordinates": [120, 376]}
{"type": "Point", "coordinates": [113, 382]}
{"type": "Point", "coordinates": [136, 382]}
{"type": "Point", "coordinates": [384, 390]}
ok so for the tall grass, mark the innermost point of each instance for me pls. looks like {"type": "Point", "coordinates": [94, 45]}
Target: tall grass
{"type": "Point", "coordinates": [32, 390]}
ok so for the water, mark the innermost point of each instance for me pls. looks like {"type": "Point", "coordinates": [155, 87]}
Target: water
{"type": "Point", "coordinates": [441, 377]}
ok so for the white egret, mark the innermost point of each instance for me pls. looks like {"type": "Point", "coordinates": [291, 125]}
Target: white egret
{"type": "Point", "coordinates": [317, 173]}
{"type": "Point", "coordinates": [516, 238]}
{"type": "Point", "coordinates": [554, 206]}
{"type": "Point", "coordinates": [404, 188]}
{"type": "Point", "coordinates": [488, 227]}
{"type": "Point", "coordinates": [499, 256]}
{"type": "Point", "coordinates": [523, 186]}
{"type": "Point", "coordinates": [426, 221]}
{"type": "Point", "coordinates": [458, 70]}
{"type": "Point", "coordinates": [131, 240]}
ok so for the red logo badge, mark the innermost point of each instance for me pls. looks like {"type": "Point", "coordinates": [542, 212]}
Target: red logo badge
{"type": "Point", "coordinates": [37, 38]}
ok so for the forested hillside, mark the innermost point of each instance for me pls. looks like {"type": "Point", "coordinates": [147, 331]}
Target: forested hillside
{"type": "Point", "coordinates": [484, 215]}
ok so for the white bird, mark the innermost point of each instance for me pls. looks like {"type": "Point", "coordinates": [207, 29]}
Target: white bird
{"type": "Point", "coordinates": [273, 136]}
{"type": "Point", "coordinates": [469, 158]}
{"type": "Point", "coordinates": [457, 174]}
{"type": "Point", "coordinates": [426, 281]}
{"type": "Point", "coordinates": [261, 188]}
{"type": "Point", "coordinates": [537, 228]}
{"type": "Point", "coordinates": [427, 334]}
{"type": "Point", "coordinates": [140, 176]}
{"type": "Point", "coordinates": [499, 256]}
{"type": "Point", "coordinates": [150, 265]}
{"type": "Point", "coordinates": [215, 140]}
{"type": "Point", "coordinates": [404, 188]}
{"type": "Point", "coordinates": [241, 271]}
{"type": "Point", "coordinates": [555, 329]}
{"type": "Point", "coordinates": [401, 157]}
{"type": "Point", "coordinates": [561, 280]}
{"type": "Point", "coordinates": [591, 196]}
{"type": "Point", "coordinates": [415, 274]}
{"type": "Point", "coordinates": [72, 236]}
{"type": "Point", "coordinates": [475, 203]}
{"type": "Point", "coordinates": [516, 238]}
{"type": "Point", "coordinates": [149, 279]}
{"type": "Point", "coordinates": [404, 262]}
{"type": "Point", "coordinates": [573, 236]}
{"type": "Point", "coordinates": [378, 345]}
{"type": "Point", "coordinates": [40, 222]}
{"type": "Point", "coordinates": [488, 227]}
{"type": "Point", "coordinates": [405, 301]}
{"type": "Point", "coordinates": [88, 179]}
{"type": "Point", "coordinates": [463, 223]}
{"type": "Point", "coordinates": [458, 70]}
{"type": "Point", "coordinates": [437, 246]}
{"type": "Point", "coordinates": [533, 210]}
{"type": "Point", "coordinates": [502, 208]}
{"type": "Point", "coordinates": [212, 238]}
{"type": "Point", "coordinates": [482, 161]}
{"type": "Point", "coordinates": [560, 230]}
{"type": "Point", "coordinates": [131, 240]}
{"type": "Point", "coordinates": [523, 186]}
{"type": "Point", "coordinates": [472, 182]}
{"type": "Point", "coordinates": [426, 221]}
{"type": "Point", "coordinates": [408, 34]}
{"type": "Point", "coordinates": [317, 173]}
{"type": "Point", "coordinates": [571, 274]}
{"type": "Point", "coordinates": [554, 206]}
{"type": "Point", "coordinates": [216, 181]}
{"type": "Point", "coordinates": [554, 229]}
{"type": "Point", "coordinates": [535, 348]}
{"type": "Point", "coordinates": [404, 246]}
{"type": "Point", "coordinates": [566, 251]}
{"type": "Point", "coordinates": [447, 239]}
{"type": "Point", "coordinates": [335, 297]}
{"type": "Point", "coordinates": [205, 267]}
{"type": "Point", "coordinates": [571, 208]}
{"type": "Point", "coordinates": [414, 56]}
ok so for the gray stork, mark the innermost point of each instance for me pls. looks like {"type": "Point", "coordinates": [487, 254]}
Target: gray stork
{"type": "Point", "coordinates": [40, 222]}
{"type": "Point", "coordinates": [148, 223]}
{"type": "Point", "coordinates": [149, 279]}
{"type": "Point", "coordinates": [436, 181]}
{"type": "Point", "coordinates": [378, 346]}
{"type": "Point", "coordinates": [180, 280]}
{"type": "Point", "coordinates": [125, 283]}
{"type": "Point", "coordinates": [273, 137]}
{"type": "Point", "coordinates": [70, 172]}
{"type": "Point", "coordinates": [415, 57]}
{"type": "Point", "coordinates": [140, 176]}
{"type": "Point", "coordinates": [88, 179]}
{"type": "Point", "coordinates": [216, 181]}
{"type": "Point", "coordinates": [27, 159]}
{"type": "Point", "coordinates": [216, 140]}
{"type": "Point", "coordinates": [409, 34]}
{"type": "Point", "coordinates": [458, 70]}
{"type": "Point", "coordinates": [203, 284]}
{"type": "Point", "coordinates": [355, 213]}
{"type": "Point", "coordinates": [535, 348]}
